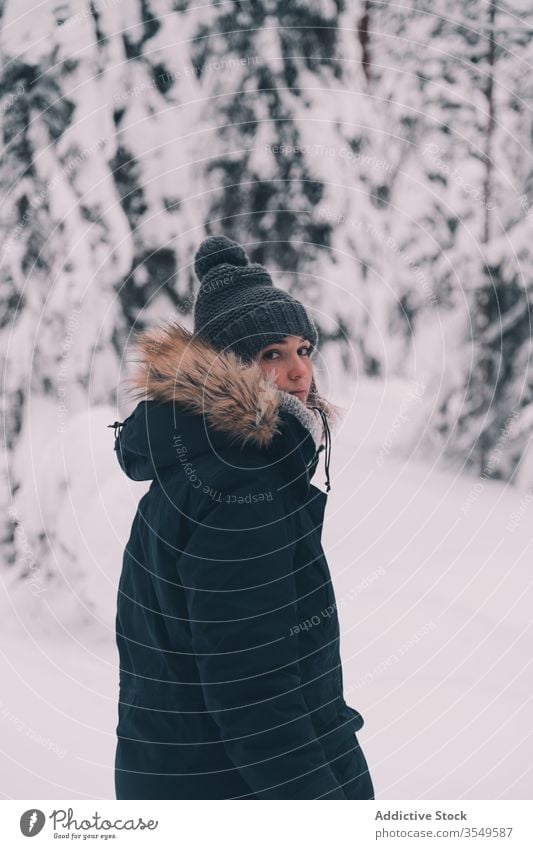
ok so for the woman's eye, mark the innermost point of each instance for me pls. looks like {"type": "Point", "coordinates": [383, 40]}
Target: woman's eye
{"type": "Point", "coordinates": [305, 348]}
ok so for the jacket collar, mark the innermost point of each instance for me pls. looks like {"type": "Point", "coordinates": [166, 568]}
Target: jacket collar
{"type": "Point", "coordinates": [176, 374]}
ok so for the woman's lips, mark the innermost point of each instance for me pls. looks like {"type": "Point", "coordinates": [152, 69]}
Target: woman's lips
{"type": "Point", "coordinates": [298, 392]}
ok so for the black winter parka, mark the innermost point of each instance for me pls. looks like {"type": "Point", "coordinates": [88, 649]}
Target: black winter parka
{"type": "Point", "coordinates": [227, 631]}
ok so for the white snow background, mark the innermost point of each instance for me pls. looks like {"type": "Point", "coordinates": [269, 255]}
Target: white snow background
{"type": "Point", "coordinates": [432, 574]}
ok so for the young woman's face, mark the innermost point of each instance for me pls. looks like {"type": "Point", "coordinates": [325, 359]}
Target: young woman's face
{"type": "Point", "coordinates": [288, 362]}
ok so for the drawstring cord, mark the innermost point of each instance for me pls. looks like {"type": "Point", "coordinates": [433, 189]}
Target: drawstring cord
{"type": "Point", "coordinates": [328, 444]}
{"type": "Point", "coordinates": [118, 426]}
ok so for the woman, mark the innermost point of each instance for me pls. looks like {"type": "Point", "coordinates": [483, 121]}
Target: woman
{"type": "Point", "coordinates": [230, 676]}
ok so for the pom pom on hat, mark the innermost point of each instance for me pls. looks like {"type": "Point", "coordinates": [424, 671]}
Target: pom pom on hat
{"type": "Point", "coordinates": [216, 250]}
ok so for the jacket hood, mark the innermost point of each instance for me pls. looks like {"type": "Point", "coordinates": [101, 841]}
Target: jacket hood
{"type": "Point", "coordinates": [213, 400]}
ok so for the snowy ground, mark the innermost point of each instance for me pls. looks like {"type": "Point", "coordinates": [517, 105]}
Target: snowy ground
{"type": "Point", "coordinates": [433, 582]}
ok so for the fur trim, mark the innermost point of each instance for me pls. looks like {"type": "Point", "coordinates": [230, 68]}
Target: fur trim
{"type": "Point", "coordinates": [236, 397]}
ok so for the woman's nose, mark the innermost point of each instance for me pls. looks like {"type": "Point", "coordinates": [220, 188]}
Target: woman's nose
{"type": "Point", "coordinates": [297, 369]}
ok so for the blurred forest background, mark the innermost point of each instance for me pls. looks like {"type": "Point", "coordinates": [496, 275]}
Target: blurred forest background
{"type": "Point", "coordinates": [375, 156]}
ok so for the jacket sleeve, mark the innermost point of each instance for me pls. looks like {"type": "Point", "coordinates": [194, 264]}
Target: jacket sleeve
{"type": "Point", "coordinates": [237, 574]}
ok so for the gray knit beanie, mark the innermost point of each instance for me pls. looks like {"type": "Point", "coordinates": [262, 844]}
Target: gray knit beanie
{"type": "Point", "coordinates": [238, 307]}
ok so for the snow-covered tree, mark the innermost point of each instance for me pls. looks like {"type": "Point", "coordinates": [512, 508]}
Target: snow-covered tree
{"type": "Point", "coordinates": [80, 235]}
{"type": "Point", "coordinates": [481, 407]}
{"type": "Point", "coordinates": [455, 80]}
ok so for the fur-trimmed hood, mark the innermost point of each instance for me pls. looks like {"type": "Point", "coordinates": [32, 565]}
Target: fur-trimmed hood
{"type": "Point", "coordinates": [176, 370]}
